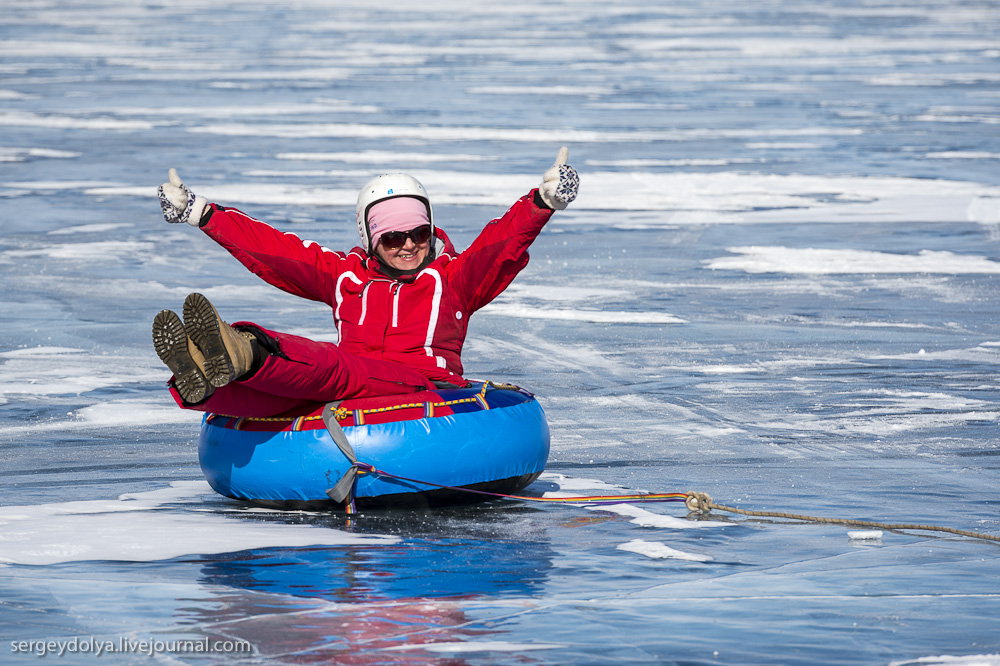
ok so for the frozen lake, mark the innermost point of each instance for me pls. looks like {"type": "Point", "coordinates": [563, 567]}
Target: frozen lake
{"type": "Point", "coordinates": [779, 286]}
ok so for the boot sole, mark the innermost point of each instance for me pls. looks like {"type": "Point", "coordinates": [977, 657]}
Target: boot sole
{"type": "Point", "coordinates": [201, 321]}
{"type": "Point", "coordinates": [170, 341]}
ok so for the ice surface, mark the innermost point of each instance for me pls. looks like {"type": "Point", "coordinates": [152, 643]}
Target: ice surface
{"type": "Point", "coordinates": [690, 197]}
{"type": "Point", "coordinates": [115, 415]}
{"type": "Point", "coordinates": [475, 646]}
{"type": "Point", "coordinates": [97, 530]}
{"type": "Point", "coordinates": [48, 371]}
{"type": "Point", "coordinates": [778, 285]}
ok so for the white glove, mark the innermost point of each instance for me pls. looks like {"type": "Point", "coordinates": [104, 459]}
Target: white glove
{"type": "Point", "coordinates": [560, 183]}
{"type": "Point", "coordinates": [179, 204]}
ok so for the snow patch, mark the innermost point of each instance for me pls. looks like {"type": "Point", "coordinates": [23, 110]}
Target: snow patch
{"type": "Point", "coordinates": [689, 198]}
{"type": "Point", "coordinates": [97, 251]}
{"type": "Point", "coordinates": [948, 660]}
{"type": "Point", "coordinates": [564, 293]}
{"type": "Point", "coordinates": [984, 210]}
{"type": "Point", "coordinates": [133, 412]}
{"type": "Point", "coordinates": [144, 527]}
{"type": "Point", "coordinates": [381, 157]}
{"type": "Point", "coordinates": [813, 261]}
{"type": "Point", "coordinates": [864, 535]}
{"type": "Point", "coordinates": [562, 90]}
{"type": "Point", "coordinates": [661, 551]}
{"type": "Point", "coordinates": [645, 518]}
{"type": "Point", "coordinates": [592, 316]}
{"type": "Point", "coordinates": [55, 121]}
{"type": "Point", "coordinates": [90, 228]}
{"type": "Point", "coordinates": [963, 155]}
{"type": "Point", "coordinates": [571, 484]}
{"type": "Point", "coordinates": [547, 136]}
{"type": "Point", "coordinates": [686, 162]}
{"type": "Point", "coordinates": [265, 110]}
{"type": "Point", "coordinates": [8, 154]}
{"type": "Point", "coordinates": [50, 371]}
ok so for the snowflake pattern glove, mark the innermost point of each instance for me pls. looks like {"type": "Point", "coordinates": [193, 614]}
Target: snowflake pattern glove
{"type": "Point", "coordinates": [560, 183]}
{"type": "Point", "coordinates": [178, 203]}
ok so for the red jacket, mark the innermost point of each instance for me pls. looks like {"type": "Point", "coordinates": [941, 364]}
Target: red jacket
{"type": "Point", "coordinates": [420, 322]}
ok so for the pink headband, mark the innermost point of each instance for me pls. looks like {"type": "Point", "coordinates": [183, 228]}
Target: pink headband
{"type": "Point", "coordinates": [399, 214]}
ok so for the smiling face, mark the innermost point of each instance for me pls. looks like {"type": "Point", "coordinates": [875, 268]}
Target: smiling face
{"type": "Point", "coordinates": [401, 232]}
{"type": "Point", "coordinates": [406, 258]}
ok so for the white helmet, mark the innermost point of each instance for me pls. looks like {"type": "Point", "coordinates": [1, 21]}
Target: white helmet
{"type": "Point", "coordinates": [387, 186]}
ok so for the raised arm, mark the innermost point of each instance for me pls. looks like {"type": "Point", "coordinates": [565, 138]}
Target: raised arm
{"type": "Point", "coordinates": [302, 268]}
{"type": "Point", "coordinates": [500, 251]}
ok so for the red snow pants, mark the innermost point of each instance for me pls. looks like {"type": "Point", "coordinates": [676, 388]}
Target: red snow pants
{"type": "Point", "coordinates": [305, 373]}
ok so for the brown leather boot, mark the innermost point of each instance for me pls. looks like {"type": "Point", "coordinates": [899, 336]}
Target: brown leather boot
{"type": "Point", "coordinates": [180, 354]}
{"type": "Point", "coordinates": [228, 352]}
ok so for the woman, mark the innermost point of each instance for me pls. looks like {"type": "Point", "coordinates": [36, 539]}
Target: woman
{"type": "Point", "coordinates": [401, 302]}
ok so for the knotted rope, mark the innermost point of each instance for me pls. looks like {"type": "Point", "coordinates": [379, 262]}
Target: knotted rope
{"type": "Point", "coordinates": [699, 502]}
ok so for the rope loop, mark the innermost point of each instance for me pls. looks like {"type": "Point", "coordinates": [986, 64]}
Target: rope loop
{"type": "Point", "coordinates": [698, 502]}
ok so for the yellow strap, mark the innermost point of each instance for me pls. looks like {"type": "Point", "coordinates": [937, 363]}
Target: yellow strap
{"type": "Point", "coordinates": [341, 414]}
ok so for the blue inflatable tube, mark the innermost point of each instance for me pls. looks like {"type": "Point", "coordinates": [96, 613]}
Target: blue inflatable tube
{"type": "Point", "coordinates": [486, 437]}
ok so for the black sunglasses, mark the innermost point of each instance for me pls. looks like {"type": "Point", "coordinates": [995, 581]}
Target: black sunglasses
{"type": "Point", "coordinates": [393, 240]}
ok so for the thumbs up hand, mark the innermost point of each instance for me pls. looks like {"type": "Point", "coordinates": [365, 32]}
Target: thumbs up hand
{"type": "Point", "coordinates": [560, 183]}
{"type": "Point", "coordinates": [178, 203]}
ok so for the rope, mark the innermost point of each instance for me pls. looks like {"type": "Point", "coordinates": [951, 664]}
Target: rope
{"type": "Point", "coordinates": [702, 503]}
{"type": "Point", "coordinates": [596, 500]}
{"type": "Point", "coordinates": [698, 502]}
